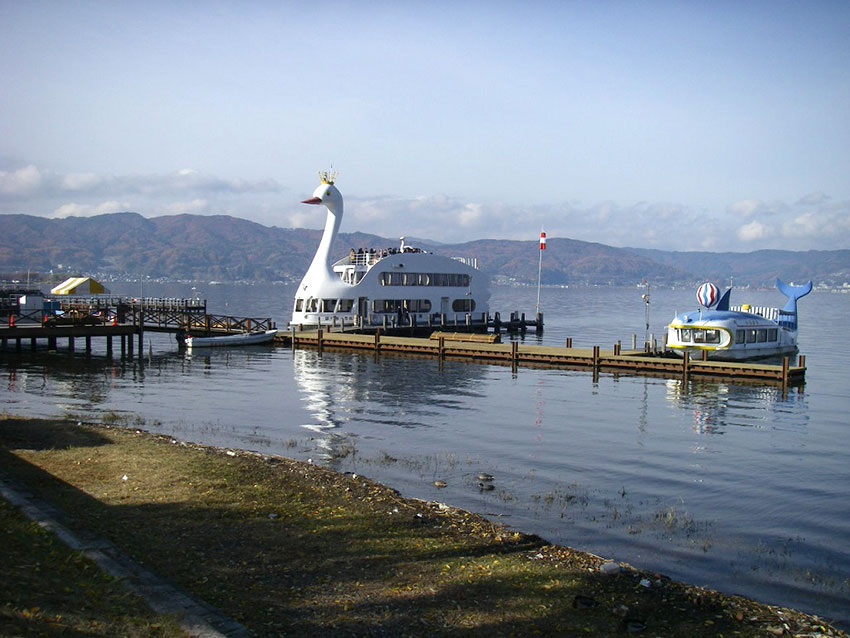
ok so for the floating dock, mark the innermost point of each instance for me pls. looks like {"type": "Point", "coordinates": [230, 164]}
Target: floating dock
{"type": "Point", "coordinates": [485, 348]}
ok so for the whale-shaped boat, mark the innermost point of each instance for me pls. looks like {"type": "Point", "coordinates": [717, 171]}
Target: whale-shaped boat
{"type": "Point", "coordinates": [739, 332]}
{"type": "Point", "coordinates": [396, 286]}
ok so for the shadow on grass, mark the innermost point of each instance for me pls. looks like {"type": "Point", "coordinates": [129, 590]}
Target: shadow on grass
{"type": "Point", "coordinates": [45, 434]}
{"type": "Point", "coordinates": [289, 551]}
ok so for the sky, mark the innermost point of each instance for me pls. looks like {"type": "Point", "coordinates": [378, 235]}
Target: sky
{"type": "Point", "coordinates": [687, 125]}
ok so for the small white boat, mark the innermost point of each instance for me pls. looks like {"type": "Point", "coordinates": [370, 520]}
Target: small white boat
{"type": "Point", "coordinates": [737, 333]}
{"type": "Point", "coordinates": [244, 339]}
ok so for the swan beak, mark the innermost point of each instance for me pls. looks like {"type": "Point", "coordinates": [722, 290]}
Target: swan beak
{"type": "Point", "coordinates": [312, 200]}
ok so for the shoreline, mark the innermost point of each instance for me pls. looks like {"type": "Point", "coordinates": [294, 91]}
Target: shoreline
{"type": "Point", "coordinates": [285, 546]}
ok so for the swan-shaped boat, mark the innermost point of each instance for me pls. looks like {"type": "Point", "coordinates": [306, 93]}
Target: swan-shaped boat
{"type": "Point", "coordinates": [737, 333]}
{"type": "Point", "coordinates": [403, 286]}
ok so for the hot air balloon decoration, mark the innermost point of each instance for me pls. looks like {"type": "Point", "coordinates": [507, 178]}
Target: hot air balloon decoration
{"type": "Point", "coordinates": [708, 294]}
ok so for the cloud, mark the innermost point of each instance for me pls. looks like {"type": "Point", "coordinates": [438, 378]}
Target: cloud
{"type": "Point", "coordinates": [746, 207]}
{"type": "Point", "coordinates": [813, 221]}
{"type": "Point", "coordinates": [89, 210]}
{"type": "Point", "coordinates": [813, 199]}
{"type": "Point", "coordinates": [31, 182]}
{"type": "Point", "coordinates": [195, 207]}
{"type": "Point", "coordinates": [754, 231]}
{"type": "Point", "coordinates": [80, 181]}
{"type": "Point", "coordinates": [21, 182]}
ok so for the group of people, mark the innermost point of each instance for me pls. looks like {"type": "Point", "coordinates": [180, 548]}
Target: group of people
{"type": "Point", "coordinates": [370, 255]}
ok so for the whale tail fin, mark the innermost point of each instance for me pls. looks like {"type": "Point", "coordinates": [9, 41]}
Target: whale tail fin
{"type": "Point", "coordinates": [788, 314]}
{"type": "Point", "coordinates": [723, 304]}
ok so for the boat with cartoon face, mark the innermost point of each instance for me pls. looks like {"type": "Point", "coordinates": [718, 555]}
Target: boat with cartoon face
{"type": "Point", "coordinates": [737, 333]}
{"type": "Point", "coordinates": [390, 286]}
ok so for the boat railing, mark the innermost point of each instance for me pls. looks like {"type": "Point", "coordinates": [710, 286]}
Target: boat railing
{"type": "Point", "coordinates": [371, 256]}
{"type": "Point", "coordinates": [469, 261]}
{"type": "Point", "coordinates": [772, 314]}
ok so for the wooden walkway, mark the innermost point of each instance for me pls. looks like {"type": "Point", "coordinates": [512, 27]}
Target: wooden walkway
{"type": "Point", "coordinates": [120, 317]}
{"type": "Point", "coordinates": [515, 353]}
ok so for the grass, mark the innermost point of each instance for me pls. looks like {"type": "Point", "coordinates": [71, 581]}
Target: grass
{"type": "Point", "coordinates": [49, 590]}
{"type": "Point", "coordinates": [291, 549]}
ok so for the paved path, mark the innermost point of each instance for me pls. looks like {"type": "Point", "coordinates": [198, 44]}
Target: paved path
{"type": "Point", "coordinates": [196, 618]}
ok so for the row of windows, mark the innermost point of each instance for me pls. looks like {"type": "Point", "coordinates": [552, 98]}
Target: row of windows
{"type": "Point", "coordinates": [323, 305]}
{"type": "Point", "coordinates": [709, 335]}
{"type": "Point", "coordinates": [401, 305]}
{"type": "Point", "coordinates": [418, 305]}
{"type": "Point", "coordinates": [699, 335]}
{"type": "Point", "coordinates": [756, 335]}
{"type": "Point", "coordinates": [378, 305]}
{"type": "Point", "coordinates": [424, 279]}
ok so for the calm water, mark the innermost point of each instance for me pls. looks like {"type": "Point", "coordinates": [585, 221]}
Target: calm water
{"type": "Point", "coordinates": [731, 486]}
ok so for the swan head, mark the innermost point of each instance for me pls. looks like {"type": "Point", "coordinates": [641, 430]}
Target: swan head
{"type": "Point", "coordinates": [326, 194]}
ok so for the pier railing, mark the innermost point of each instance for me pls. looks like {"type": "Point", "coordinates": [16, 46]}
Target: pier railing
{"type": "Point", "coordinates": [164, 314]}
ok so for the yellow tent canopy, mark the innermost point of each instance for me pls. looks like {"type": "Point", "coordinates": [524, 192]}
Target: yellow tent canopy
{"type": "Point", "coordinates": [79, 286]}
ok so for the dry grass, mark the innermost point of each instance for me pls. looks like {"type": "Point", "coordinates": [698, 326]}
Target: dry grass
{"type": "Point", "coordinates": [291, 549]}
{"type": "Point", "coordinates": [49, 590]}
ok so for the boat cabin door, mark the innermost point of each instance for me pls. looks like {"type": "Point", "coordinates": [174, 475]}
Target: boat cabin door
{"type": "Point", "coordinates": [362, 308]}
{"type": "Point", "coordinates": [444, 305]}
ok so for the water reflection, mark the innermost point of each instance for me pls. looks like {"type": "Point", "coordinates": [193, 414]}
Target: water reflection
{"type": "Point", "coordinates": [84, 379]}
{"type": "Point", "coordinates": [716, 405]}
{"type": "Point", "coordinates": [352, 394]}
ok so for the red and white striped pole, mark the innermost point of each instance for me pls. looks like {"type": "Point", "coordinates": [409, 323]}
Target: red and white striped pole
{"type": "Point", "coordinates": [540, 267]}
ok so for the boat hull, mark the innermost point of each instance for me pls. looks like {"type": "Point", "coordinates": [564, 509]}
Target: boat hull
{"type": "Point", "coordinates": [735, 354]}
{"type": "Point", "coordinates": [245, 339]}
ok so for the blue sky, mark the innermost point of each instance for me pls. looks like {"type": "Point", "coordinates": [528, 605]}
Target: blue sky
{"type": "Point", "coordinates": [673, 125]}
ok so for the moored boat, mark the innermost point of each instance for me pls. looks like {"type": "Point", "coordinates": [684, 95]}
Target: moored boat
{"type": "Point", "coordinates": [737, 333]}
{"type": "Point", "coordinates": [395, 286]}
{"type": "Point", "coordinates": [243, 339]}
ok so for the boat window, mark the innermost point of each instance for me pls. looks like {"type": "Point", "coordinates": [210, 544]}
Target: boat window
{"type": "Point", "coordinates": [385, 305]}
{"type": "Point", "coordinates": [762, 335]}
{"type": "Point", "coordinates": [686, 335]}
{"type": "Point", "coordinates": [418, 305]}
{"type": "Point", "coordinates": [752, 335]}
{"type": "Point", "coordinates": [740, 336]}
{"type": "Point", "coordinates": [328, 305]}
{"type": "Point", "coordinates": [299, 305]}
{"type": "Point", "coordinates": [456, 280]}
{"type": "Point", "coordinates": [345, 305]}
{"type": "Point", "coordinates": [463, 305]}
{"type": "Point", "coordinates": [712, 336]}
{"type": "Point", "coordinates": [772, 334]}
{"type": "Point", "coordinates": [396, 305]}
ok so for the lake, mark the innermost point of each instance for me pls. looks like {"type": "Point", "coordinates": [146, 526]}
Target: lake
{"type": "Point", "coordinates": [732, 486]}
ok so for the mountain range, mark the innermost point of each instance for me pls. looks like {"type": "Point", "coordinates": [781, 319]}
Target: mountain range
{"type": "Point", "coordinates": [197, 247]}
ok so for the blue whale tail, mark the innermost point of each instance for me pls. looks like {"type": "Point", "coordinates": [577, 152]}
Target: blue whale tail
{"type": "Point", "coordinates": [788, 314]}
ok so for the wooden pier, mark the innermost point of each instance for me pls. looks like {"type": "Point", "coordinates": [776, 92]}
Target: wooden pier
{"type": "Point", "coordinates": [514, 353]}
{"type": "Point", "coordinates": [123, 318]}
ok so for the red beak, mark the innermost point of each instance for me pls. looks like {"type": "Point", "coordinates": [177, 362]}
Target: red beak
{"type": "Point", "coordinates": [312, 200]}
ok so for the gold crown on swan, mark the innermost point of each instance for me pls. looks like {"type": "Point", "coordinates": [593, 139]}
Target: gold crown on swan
{"type": "Point", "coordinates": [328, 177]}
